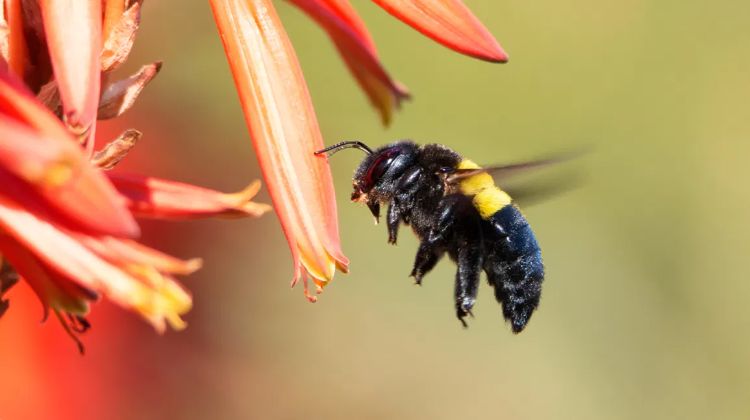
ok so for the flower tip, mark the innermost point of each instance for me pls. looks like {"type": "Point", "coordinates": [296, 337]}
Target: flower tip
{"type": "Point", "coordinates": [45, 313]}
{"type": "Point", "coordinates": [489, 50]}
{"type": "Point", "coordinates": [192, 265]}
{"type": "Point", "coordinates": [399, 93]}
{"type": "Point", "coordinates": [498, 55]}
{"type": "Point", "coordinates": [123, 225]}
{"type": "Point", "coordinates": [244, 201]}
{"type": "Point", "coordinates": [343, 266]}
{"type": "Point", "coordinates": [402, 92]}
{"type": "Point", "coordinates": [177, 323]}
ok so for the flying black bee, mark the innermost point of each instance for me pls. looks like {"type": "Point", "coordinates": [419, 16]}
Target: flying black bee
{"type": "Point", "coordinates": [454, 207]}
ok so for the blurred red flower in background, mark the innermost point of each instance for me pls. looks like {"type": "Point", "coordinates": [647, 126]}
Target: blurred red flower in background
{"type": "Point", "coordinates": [66, 226]}
{"type": "Point", "coordinates": [281, 118]}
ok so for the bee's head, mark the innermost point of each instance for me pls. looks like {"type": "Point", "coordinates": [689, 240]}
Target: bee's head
{"type": "Point", "coordinates": [374, 179]}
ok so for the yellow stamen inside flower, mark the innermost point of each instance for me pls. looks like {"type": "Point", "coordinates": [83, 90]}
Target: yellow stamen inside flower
{"type": "Point", "coordinates": [321, 271]}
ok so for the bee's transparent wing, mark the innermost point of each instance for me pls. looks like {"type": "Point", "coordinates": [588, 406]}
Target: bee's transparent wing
{"type": "Point", "coordinates": [502, 172]}
{"type": "Point", "coordinates": [527, 192]}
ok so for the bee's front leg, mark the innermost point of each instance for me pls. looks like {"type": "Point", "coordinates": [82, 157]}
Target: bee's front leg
{"type": "Point", "coordinates": [428, 256]}
{"type": "Point", "coordinates": [403, 198]}
{"type": "Point", "coordinates": [393, 220]}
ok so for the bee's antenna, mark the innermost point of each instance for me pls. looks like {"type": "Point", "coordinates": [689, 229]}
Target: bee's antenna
{"type": "Point", "coordinates": [330, 150]}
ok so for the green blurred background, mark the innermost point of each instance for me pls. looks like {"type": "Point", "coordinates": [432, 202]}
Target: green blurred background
{"type": "Point", "coordinates": [645, 310]}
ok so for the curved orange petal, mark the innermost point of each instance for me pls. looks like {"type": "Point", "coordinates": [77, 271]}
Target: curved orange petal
{"type": "Point", "coordinates": [58, 172]}
{"type": "Point", "coordinates": [285, 133]}
{"type": "Point", "coordinates": [35, 138]}
{"type": "Point", "coordinates": [17, 101]}
{"type": "Point", "coordinates": [158, 298]}
{"type": "Point", "coordinates": [127, 252]}
{"type": "Point", "coordinates": [160, 198]}
{"type": "Point", "coordinates": [73, 31]}
{"type": "Point", "coordinates": [355, 45]}
{"type": "Point", "coordinates": [450, 23]}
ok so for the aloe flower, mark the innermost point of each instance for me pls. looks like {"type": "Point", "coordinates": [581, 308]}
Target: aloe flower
{"type": "Point", "coordinates": [67, 227]}
{"type": "Point", "coordinates": [281, 119]}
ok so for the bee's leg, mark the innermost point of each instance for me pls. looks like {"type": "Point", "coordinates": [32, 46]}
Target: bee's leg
{"type": "Point", "coordinates": [469, 263]}
{"type": "Point", "coordinates": [432, 248]}
{"type": "Point", "coordinates": [458, 224]}
{"type": "Point", "coordinates": [427, 257]}
{"type": "Point", "coordinates": [407, 186]}
{"type": "Point", "coordinates": [393, 220]}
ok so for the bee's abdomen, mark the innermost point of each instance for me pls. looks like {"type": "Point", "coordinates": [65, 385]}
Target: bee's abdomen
{"type": "Point", "coordinates": [514, 265]}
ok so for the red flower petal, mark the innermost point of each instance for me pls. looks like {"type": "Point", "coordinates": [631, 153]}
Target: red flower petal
{"type": "Point", "coordinates": [285, 133]}
{"type": "Point", "coordinates": [450, 23]}
{"type": "Point", "coordinates": [355, 45]}
{"type": "Point", "coordinates": [129, 252]}
{"type": "Point", "coordinates": [160, 198]}
{"type": "Point", "coordinates": [18, 102]}
{"type": "Point", "coordinates": [37, 149]}
{"type": "Point", "coordinates": [58, 172]}
{"type": "Point", "coordinates": [73, 32]}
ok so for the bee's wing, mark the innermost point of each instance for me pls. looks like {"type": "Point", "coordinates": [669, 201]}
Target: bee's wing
{"type": "Point", "coordinates": [528, 192]}
{"type": "Point", "coordinates": [532, 192]}
{"type": "Point", "coordinates": [502, 172]}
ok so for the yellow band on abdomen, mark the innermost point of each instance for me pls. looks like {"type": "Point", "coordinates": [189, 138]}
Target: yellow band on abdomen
{"type": "Point", "coordinates": [488, 199]}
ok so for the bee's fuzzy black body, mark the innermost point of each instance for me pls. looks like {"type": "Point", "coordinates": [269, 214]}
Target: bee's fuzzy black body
{"type": "Point", "coordinates": [471, 220]}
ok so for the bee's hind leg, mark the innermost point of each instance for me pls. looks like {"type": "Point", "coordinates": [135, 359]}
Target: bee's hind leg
{"type": "Point", "coordinates": [469, 263]}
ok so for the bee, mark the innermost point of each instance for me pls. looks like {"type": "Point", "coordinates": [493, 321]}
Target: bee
{"type": "Point", "coordinates": [454, 207]}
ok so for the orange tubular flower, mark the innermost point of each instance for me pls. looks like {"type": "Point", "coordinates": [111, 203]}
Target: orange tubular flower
{"type": "Point", "coordinates": [282, 121]}
{"type": "Point", "coordinates": [73, 34]}
{"type": "Point", "coordinates": [32, 153]}
{"type": "Point", "coordinates": [66, 228]}
{"type": "Point", "coordinates": [272, 90]}
{"type": "Point", "coordinates": [53, 247]}
{"type": "Point", "coordinates": [450, 23]}
{"type": "Point", "coordinates": [59, 219]}
{"type": "Point", "coordinates": [159, 198]}
{"type": "Point", "coordinates": [356, 47]}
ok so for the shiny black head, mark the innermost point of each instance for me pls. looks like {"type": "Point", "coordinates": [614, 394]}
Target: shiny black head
{"type": "Point", "coordinates": [374, 179]}
{"type": "Point", "coordinates": [378, 175]}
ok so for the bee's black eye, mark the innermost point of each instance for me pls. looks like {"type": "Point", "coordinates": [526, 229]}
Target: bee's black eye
{"type": "Point", "coordinates": [379, 167]}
